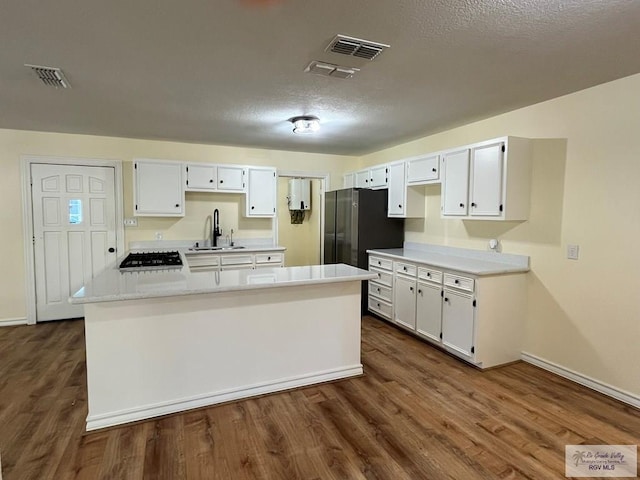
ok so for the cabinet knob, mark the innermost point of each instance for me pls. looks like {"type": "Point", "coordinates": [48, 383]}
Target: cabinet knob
{"type": "Point", "coordinates": [420, 291]}
{"type": "Point", "coordinates": [473, 204]}
{"type": "Point", "coordinates": [378, 289]}
{"type": "Point", "coordinates": [399, 206]}
{"type": "Point", "coordinates": [379, 262]}
{"type": "Point", "coordinates": [446, 299]}
{"type": "Point", "coordinates": [268, 258]}
{"type": "Point", "coordinates": [177, 205]}
{"type": "Point", "coordinates": [111, 250]}
{"type": "Point", "coordinates": [404, 268]}
{"type": "Point", "coordinates": [252, 207]}
{"type": "Point", "coordinates": [429, 274]}
{"type": "Point", "coordinates": [434, 170]}
{"type": "Point", "coordinates": [378, 305]}
{"type": "Point", "coordinates": [211, 181]}
{"type": "Point", "coordinates": [462, 205]}
{"type": "Point", "coordinates": [221, 181]}
{"type": "Point", "coordinates": [456, 281]}
{"type": "Point", "coordinates": [411, 289]}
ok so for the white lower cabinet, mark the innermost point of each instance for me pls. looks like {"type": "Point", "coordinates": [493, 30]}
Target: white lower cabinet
{"type": "Point", "coordinates": [478, 318]}
{"type": "Point", "coordinates": [234, 261]}
{"type": "Point", "coordinates": [380, 299]}
{"type": "Point", "coordinates": [405, 301]}
{"type": "Point", "coordinates": [429, 311]}
{"type": "Point", "coordinates": [458, 321]}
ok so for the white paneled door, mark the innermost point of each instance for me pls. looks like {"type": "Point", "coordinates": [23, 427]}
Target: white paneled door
{"type": "Point", "coordinates": [74, 227]}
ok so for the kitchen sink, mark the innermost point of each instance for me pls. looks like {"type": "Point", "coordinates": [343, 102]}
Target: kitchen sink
{"type": "Point", "coordinates": [215, 249]}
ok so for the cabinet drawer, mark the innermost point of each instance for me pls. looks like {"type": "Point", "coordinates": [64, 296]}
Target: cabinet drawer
{"type": "Point", "coordinates": [405, 268]}
{"type": "Point", "coordinates": [268, 258]}
{"type": "Point", "coordinates": [456, 281]}
{"type": "Point", "coordinates": [430, 275]}
{"type": "Point", "coordinates": [381, 291]}
{"type": "Point", "coordinates": [383, 263]}
{"type": "Point", "coordinates": [384, 278]}
{"type": "Point", "coordinates": [236, 260]}
{"type": "Point", "coordinates": [380, 307]}
{"type": "Point", "coordinates": [202, 260]}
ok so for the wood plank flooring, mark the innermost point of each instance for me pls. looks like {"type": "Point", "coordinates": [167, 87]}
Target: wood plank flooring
{"type": "Point", "coordinates": [417, 413]}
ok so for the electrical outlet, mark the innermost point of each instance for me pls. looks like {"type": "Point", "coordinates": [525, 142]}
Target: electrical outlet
{"type": "Point", "coordinates": [158, 235]}
{"type": "Point", "coordinates": [131, 222]}
{"type": "Point", "coordinates": [573, 251]}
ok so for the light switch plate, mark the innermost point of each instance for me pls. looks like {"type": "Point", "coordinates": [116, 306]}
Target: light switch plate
{"type": "Point", "coordinates": [573, 251]}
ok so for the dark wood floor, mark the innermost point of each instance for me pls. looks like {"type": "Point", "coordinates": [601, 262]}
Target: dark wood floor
{"type": "Point", "coordinates": [416, 414]}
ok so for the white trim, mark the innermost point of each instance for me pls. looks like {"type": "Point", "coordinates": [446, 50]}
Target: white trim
{"type": "Point", "coordinates": [9, 322]}
{"type": "Point", "coordinates": [325, 184]}
{"type": "Point", "coordinates": [601, 387]}
{"type": "Point", "coordinates": [27, 210]}
{"type": "Point", "coordinates": [144, 412]}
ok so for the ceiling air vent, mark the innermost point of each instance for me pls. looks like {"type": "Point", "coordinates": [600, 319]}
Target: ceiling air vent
{"type": "Point", "coordinates": [50, 76]}
{"type": "Point", "coordinates": [330, 70]}
{"type": "Point", "coordinates": [356, 47]}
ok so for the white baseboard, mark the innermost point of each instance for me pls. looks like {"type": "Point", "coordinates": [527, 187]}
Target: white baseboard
{"type": "Point", "coordinates": [592, 383]}
{"type": "Point", "coordinates": [155, 410]}
{"type": "Point", "coordinates": [8, 322]}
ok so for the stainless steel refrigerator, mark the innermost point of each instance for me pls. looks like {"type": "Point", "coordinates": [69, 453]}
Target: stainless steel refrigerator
{"type": "Point", "coordinates": [355, 220]}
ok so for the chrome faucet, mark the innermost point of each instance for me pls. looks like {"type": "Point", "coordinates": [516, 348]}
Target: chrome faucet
{"type": "Point", "coordinates": [216, 232]}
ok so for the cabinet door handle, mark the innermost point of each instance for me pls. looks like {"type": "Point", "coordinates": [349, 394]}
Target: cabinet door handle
{"type": "Point", "coordinates": [462, 205]}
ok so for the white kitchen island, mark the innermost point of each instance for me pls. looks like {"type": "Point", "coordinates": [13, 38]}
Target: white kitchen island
{"type": "Point", "coordinates": [159, 342]}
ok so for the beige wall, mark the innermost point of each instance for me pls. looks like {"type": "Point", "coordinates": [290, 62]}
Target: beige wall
{"type": "Point", "coordinates": [585, 314]}
{"type": "Point", "coordinates": [302, 241]}
{"type": "Point", "coordinates": [14, 144]}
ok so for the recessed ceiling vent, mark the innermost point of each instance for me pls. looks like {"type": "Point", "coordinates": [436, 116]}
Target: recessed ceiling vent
{"type": "Point", "coordinates": [50, 76]}
{"type": "Point", "coordinates": [356, 47]}
{"type": "Point", "coordinates": [330, 70]}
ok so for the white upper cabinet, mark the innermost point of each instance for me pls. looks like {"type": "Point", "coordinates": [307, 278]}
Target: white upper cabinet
{"type": "Point", "coordinates": [488, 181]}
{"type": "Point", "coordinates": [362, 178]}
{"type": "Point", "coordinates": [158, 188]}
{"type": "Point", "coordinates": [423, 170]}
{"type": "Point", "coordinates": [403, 201]}
{"type": "Point", "coordinates": [485, 186]}
{"type": "Point", "coordinates": [230, 178]}
{"type": "Point", "coordinates": [261, 192]}
{"type": "Point", "coordinates": [455, 185]}
{"type": "Point", "coordinates": [348, 180]}
{"type": "Point", "coordinates": [201, 177]}
{"type": "Point", "coordinates": [378, 177]}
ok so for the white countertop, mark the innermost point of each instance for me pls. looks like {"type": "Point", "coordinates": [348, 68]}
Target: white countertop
{"type": "Point", "coordinates": [475, 262]}
{"type": "Point", "coordinates": [226, 250]}
{"type": "Point", "coordinates": [114, 285]}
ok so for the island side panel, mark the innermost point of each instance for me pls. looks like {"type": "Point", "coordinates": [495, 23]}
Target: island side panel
{"type": "Point", "coordinates": [151, 357]}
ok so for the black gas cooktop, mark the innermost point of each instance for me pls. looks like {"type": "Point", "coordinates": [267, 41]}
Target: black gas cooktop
{"type": "Point", "coordinates": [151, 261]}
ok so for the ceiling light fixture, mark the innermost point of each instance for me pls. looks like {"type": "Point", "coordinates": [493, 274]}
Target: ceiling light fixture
{"type": "Point", "coordinates": [306, 124]}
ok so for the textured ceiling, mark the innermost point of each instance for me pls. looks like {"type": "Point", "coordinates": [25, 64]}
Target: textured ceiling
{"type": "Point", "coordinates": [232, 71]}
